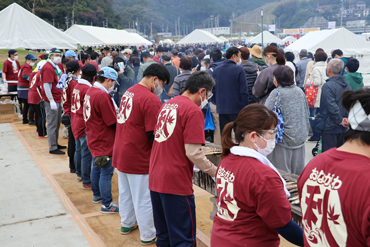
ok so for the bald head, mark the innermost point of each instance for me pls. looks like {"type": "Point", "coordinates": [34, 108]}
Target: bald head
{"type": "Point", "coordinates": [335, 67]}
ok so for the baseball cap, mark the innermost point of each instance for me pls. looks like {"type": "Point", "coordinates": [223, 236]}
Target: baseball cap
{"type": "Point", "coordinates": [54, 50]}
{"type": "Point", "coordinates": [166, 56]}
{"type": "Point", "coordinates": [11, 52]}
{"type": "Point", "coordinates": [128, 51]}
{"type": "Point", "coordinates": [108, 73]}
{"type": "Point", "coordinates": [89, 70]}
{"type": "Point", "coordinates": [70, 53]}
{"type": "Point", "coordinates": [31, 56]}
{"type": "Point", "coordinates": [174, 52]}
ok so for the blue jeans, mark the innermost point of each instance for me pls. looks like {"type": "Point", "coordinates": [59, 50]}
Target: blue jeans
{"type": "Point", "coordinates": [83, 160]}
{"type": "Point", "coordinates": [313, 113]}
{"type": "Point", "coordinates": [101, 182]}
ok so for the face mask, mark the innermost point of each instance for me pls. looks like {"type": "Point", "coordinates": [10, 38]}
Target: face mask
{"type": "Point", "coordinates": [203, 103]}
{"type": "Point", "coordinates": [15, 58]}
{"type": "Point", "coordinates": [268, 149]}
{"type": "Point", "coordinates": [111, 89]}
{"type": "Point", "coordinates": [267, 61]}
{"type": "Point", "coordinates": [202, 68]}
{"type": "Point", "coordinates": [57, 60]}
{"type": "Point", "coordinates": [32, 64]}
{"type": "Point", "coordinates": [124, 58]}
{"type": "Point", "coordinates": [158, 90]}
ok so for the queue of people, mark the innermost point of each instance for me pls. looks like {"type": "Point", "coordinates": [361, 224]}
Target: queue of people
{"type": "Point", "coordinates": [145, 120]}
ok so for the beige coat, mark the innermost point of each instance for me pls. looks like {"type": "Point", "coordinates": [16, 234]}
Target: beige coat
{"type": "Point", "coordinates": [308, 72]}
{"type": "Point", "coordinates": [318, 77]}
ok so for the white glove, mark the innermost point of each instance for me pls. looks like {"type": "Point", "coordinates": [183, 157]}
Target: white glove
{"type": "Point", "coordinates": [214, 179]}
{"type": "Point", "coordinates": [5, 82]}
{"type": "Point", "coordinates": [196, 169]}
{"type": "Point", "coordinates": [53, 105]}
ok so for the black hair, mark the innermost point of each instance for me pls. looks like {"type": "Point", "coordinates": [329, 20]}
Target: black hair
{"type": "Point", "coordinates": [158, 70]}
{"type": "Point", "coordinates": [45, 56]}
{"type": "Point", "coordinates": [274, 44]}
{"type": "Point", "coordinates": [352, 64]}
{"type": "Point", "coordinates": [94, 55]}
{"type": "Point", "coordinates": [186, 63]}
{"type": "Point", "coordinates": [117, 60]}
{"type": "Point", "coordinates": [289, 56]}
{"type": "Point", "coordinates": [146, 55]}
{"type": "Point", "coordinates": [197, 52]}
{"type": "Point", "coordinates": [65, 60]}
{"type": "Point", "coordinates": [284, 75]}
{"type": "Point", "coordinates": [85, 57]}
{"type": "Point", "coordinates": [72, 67]}
{"type": "Point", "coordinates": [199, 79]}
{"type": "Point", "coordinates": [206, 61]}
{"type": "Point", "coordinates": [216, 54]}
{"type": "Point", "coordinates": [231, 51]}
{"type": "Point", "coordinates": [337, 52]}
{"type": "Point", "coordinates": [349, 98]}
{"type": "Point", "coordinates": [106, 48]}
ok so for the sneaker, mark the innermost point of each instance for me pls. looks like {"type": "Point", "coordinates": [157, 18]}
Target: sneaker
{"type": "Point", "coordinates": [153, 241]}
{"type": "Point", "coordinates": [72, 170]}
{"type": "Point", "coordinates": [57, 151]}
{"type": "Point", "coordinates": [97, 199]}
{"type": "Point", "coordinates": [79, 178]}
{"type": "Point", "coordinates": [127, 230]}
{"type": "Point", "coordinates": [30, 122]}
{"type": "Point", "coordinates": [62, 147]}
{"type": "Point", "coordinates": [112, 208]}
{"type": "Point", "coordinates": [86, 187]}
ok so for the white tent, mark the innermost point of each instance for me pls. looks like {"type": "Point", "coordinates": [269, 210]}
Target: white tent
{"type": "Point", "coordinates": [289, 39]}
{"type": "Point", "coordinates": [24, 30]}
{"type": "Point", "coordinates": [267, 38]}
{"type": "Point", "coordinates": [351, 44]}
{"type": "Point", "coordinates": [247, 39]}
{"type": "Point", "coordinates": [223, 39]}
{"type": "Point", "coordinates": [166, 41]}
{"type": "Point", "coordinates": [141, 40]}
{"type": "Point", "coordinates": [200, 37]}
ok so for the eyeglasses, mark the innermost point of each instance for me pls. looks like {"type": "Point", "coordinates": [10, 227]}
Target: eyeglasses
{"type": "Point", "coordinates": [265, 133]}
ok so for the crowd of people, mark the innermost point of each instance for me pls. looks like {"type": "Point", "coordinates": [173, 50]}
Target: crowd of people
{"type": "Point", "coordinates": [142, 112]}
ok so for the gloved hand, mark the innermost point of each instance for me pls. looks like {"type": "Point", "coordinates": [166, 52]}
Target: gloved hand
{"type": "Point", "coordinates": [53, 105]}
{"type": "Point", "coordinates": [214, 179]}
{"type": "Point", "coordinates": [196, 169]}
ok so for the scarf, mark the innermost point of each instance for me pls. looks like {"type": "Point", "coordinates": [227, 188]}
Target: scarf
{"type": "Point", "coordinates": [259, 61]}
{"type": "Point", "coordinates": [101, 87]}
{"type": "Point", "coordinates": [14, 63]}
{"type": "Point", "coordinates": [248, 152]}
{"type": "Point", "coordinates": [56, 68]}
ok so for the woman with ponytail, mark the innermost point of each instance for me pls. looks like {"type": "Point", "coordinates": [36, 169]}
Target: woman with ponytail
{"type": "Point", "coordinates": [265, 81]}
{"type": "Point", "coordinates": [252, 204]}
{"type": "Point", "coordinates": [343, 198]}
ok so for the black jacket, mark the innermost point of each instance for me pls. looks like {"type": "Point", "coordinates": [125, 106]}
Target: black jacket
{"type": "Point", "coordinates": [331, 110]}
{"type": "Point", "coordinates": [210, 70]}
{"type": "Point", "coordinates": [250, 70]}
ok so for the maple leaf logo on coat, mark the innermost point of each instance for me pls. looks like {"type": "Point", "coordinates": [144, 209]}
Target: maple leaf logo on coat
{"type": "Point", "coordinates": [166, 122]}
{"type": "Point", "coordinates": [87, 108]}
{"type": "Point", "coordinates": [125, 108]}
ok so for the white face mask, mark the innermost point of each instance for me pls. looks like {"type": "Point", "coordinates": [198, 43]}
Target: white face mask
{"type": "Point", "coordinates": [32, 64]}
{"type": "Point", "coordinates": [268, 149]}
{"type": "Point", "coordinates": [57, 60]}
{"type": "Point", "coordinates": [267, 61]}
{"type": "Point", "coordinates": [204, 102]}
{"type": "Point", "coordinates": [239, 61]}
{"type": "Point", "coordinates": [111, 89]}
{"type": "Point", "coordinates": [158, 90]}
{"type": "Point", "coordinates": [124, 58]}
{"type": "Point", "coordinates": [15, 58]}
{"type": "Point", "coordinates": [202, 68]}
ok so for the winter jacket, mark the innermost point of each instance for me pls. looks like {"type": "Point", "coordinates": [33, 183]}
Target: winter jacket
{"type": "Point", "coordinates": [354, 80]}
{"type": "Point", "coordinates": [210, 70]}
{"type": "Point", "coordinates": [291, 65]}
{"type": "Point", "coordinates": [250, 70]}
{"type": "Point", "coordinates": [173, 73]}
{"type": "Point", "coordinates": [231, 88]}
{"type": "Point", "coordinates": [318, 78]}
{"type": "Point", "coordinates": [302, 66]}
{"type": "Point", "coordinates": [180, 82]}
{"type": "Point", "coordinates": [260, 62]}
{"type": "Point", "coordinates": [331, 110]}
{"type": "Point", "coordinates": [295, 115]}
{"type": "Point", "coordinates": [143, 68]}
{"type": "Point", "coordinates": [264, 83]}
{"type": "Point", "coordinates": [344, 59]}
{"type": "Point", "coordinates": [125, 80]}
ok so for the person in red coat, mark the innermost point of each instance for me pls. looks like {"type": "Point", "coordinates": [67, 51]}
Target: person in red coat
{"type": "Point", "coordinates": [11, 68]}
{"type": "Point", "coordinates": [23, 84]}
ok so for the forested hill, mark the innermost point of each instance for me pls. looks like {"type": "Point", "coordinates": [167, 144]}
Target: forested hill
{"type": "Point", "coordinates": [122, 12]}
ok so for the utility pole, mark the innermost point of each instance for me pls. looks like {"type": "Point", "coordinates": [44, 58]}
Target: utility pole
{"type": "Point", "coordinates": [137, 24]}
{"type": "Point", "coordinates": [151, 30]}
{"type": "Point", "coordinates": [178, 24]}
{"type": "Point", "coordinates": [341, 14]}
{"type": "Point", "coordinates": [129, 25]}
{"type": "Point", "coordinates": [162, 28]}
{"type": "Point", "coordinates": [262, 26]}
{"type": "Point", "coordinates": [73, 13]}
{"type": "Point", "coordinates": [175, 28]}
{"type": "Point", "coordinates": [193, 25]}
{"type": "Point", "coordinates": [53, 22]}
{"type": "Point", "coordinates": [184, 30]}
{"type": "Point", "coordinates": [106, 22]}
{"type": "Point", "coordinates": [66, 18]}
{"type": "Point", "coordinates": [211, 17]}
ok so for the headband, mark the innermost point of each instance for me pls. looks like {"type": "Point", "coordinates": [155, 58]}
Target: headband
{"type": "Point", "coordinates": [358, 119]}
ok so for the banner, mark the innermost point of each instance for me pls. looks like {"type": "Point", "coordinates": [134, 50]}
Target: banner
{"type": "Point", "coordinates": [300, 30]}
{"type": "Point", "coordinates": [272, 28]}
{"type": "Point", "coordinates": [331, 24]}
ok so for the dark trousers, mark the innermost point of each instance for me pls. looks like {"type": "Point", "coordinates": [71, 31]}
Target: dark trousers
{"type": "Point", "coordinates": [25, 107]}
{"type": "Point", "coordinates": [40, 124]}
{"type": "Point", "coordinates": [332, 141]}
{"type": "Point", "coordinates": [71, 148]}
{"type": "Point", "coordinates": [32, 113]}
{"type": "Point", "coordinates": [225, 119]}
{"type": "Point", "coordinates": [174, 219]}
